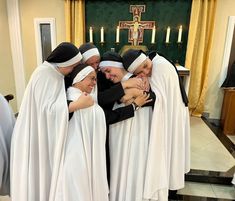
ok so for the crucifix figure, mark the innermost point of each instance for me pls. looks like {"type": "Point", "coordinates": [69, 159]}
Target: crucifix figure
{"type": "Point", "coordinates": [136, 27]}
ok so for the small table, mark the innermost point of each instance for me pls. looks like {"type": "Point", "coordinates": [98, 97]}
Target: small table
{"type": "Point", "coordinates": [227, 118]}
{"type": "Point", "coordinates": [184, 73]}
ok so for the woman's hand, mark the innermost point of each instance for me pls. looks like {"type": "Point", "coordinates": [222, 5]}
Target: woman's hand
{"type": "Point", "coordinates": [146, 83]}
{"type": "Point", "coordinates": [127, 99]}
{"type": "Point", "coordinates": [142, 99]}
{"type": "Point", "coordinates": [133, 92]}
{"type": "Point", "coordinates": [133, 83]}
{"type": "Point", "coordinates": [84, 101]}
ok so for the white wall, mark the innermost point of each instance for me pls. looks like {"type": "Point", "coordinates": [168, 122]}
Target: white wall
{"type": "Point", "coordinates": [214, 98]}
{"type": "Point", "coordinates": [7, 80]}
{"type": "Point", "coordinates": [30, 9]}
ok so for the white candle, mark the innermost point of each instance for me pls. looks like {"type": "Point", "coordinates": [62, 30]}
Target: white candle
{"type": "Point", "coordinates": [180, 34]}
{"type": "Point", "coordinates": [102, 34]}
{"type": "Point", "coordinates": [91, 34]}
{"type": "Point", "coordinates": [168, 31]}
{"type": "Point", "coordinates": [153, 34]}
{"type": "Point", "coordinates": [117, 34]}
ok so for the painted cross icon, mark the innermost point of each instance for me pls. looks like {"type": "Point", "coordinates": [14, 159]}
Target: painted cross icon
{"type": "Point", "coordinates": [136, 27]}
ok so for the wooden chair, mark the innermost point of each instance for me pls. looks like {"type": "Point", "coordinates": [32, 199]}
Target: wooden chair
{"type": "Point", "coordinates": [9, 97]}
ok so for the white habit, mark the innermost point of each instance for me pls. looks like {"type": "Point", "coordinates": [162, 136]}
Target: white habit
{"type": "Point", "coordinates": [233, 180]}
{"type": "Point", "coordinates": [83, 176]}
{"type": "Point", "coordinates": [39, 137]}
{"type": "Point", "coordinates": [128, 145]}
{"type": "Point", "coordinates": [7, 121]}
{"type": "Point", "coordinates": [169, 144]}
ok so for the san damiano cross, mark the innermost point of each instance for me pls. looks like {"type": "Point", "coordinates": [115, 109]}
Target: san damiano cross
{"type": "Point", "coordinates": [136, 27]}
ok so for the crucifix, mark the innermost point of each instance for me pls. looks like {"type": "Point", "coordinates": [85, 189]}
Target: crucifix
{"type": "Point", "coordinates": [136, 27]}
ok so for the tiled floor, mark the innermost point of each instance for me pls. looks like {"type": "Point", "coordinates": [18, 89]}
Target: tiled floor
{"type": "Point", "coordinates": [209, 154]}
{"type": "Point", "coordinates": [232, 138]}
{"type": "Point", "coordinates": [208, 190]}
{"type": "Point", "coordinates": [4, 198]}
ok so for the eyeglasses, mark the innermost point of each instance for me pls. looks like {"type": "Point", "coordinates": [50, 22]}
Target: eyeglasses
{"type": "Point", "coordinates": [92, 78]}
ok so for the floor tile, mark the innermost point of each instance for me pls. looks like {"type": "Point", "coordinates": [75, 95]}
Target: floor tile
{"type": "Point", "coordinates": [225, 192]}
{"type": "Point", "coordinates": [197, 189]}
{"type": "Point", "coordinates": [207, 152]}
{"type": "Point", "coordinates": [4, 198]}
{"type": "Point", "coordinates": [232, 138]}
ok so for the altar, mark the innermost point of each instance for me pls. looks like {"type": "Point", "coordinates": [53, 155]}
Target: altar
{"type": "Point", "coordinates": [184, 73]}
{"type": "Point", "coordinates": [143, 34]}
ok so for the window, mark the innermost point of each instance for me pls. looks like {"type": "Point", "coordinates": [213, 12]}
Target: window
{"type": "Point", "coordinates": [45, 37]}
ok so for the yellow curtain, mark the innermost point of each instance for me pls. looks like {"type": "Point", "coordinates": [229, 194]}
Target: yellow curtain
{"type": "Point", "coordinates": [198, 51]}
{"type": "Point", "coordinates": [75, 21]}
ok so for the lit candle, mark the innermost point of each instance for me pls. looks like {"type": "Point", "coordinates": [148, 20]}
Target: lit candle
{"type": "Point", "coordinates": [117, 34]}
{"type": "Point", "coordinates": [153, 34]}
{"type": "Point", "coordinates": [168, 31]}
{"type": "Point", "coordinates": [91, 34]}
{"type": "Point", "coordinates": [180, 34]}
{"type": "Point", "coordinates": [102, 34]}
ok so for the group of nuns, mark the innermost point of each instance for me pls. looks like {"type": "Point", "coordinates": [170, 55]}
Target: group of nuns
{"type": "Point", "coordinates": [100, 128]}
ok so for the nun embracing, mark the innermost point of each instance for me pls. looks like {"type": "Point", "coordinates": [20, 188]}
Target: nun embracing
{"type": "Point", "coordinates": [83, 176]}
{"type": "Point", "coordinates": [41, 128]}
{"type": "Point", "coordinates": [7, 122]}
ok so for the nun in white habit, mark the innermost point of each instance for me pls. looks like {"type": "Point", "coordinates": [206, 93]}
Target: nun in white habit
{"type": "Point", "coordinates": [90, 55]}
{"type": "Point", "coordinates": [41, 128]}
{"type": "Point", "coordinates": [169, 143]}
{"type": "Point", "coordinates": [7, 121]}
{"type": "Point", "coordinates": [128, 139]}
{"type": "Point", "coordinates": [83, 176]}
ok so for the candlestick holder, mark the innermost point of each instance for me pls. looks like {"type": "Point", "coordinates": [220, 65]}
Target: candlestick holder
{"type": "Point", "coordinates": [179, 44]}
{"type": "Point", "coordinates": [102, 43]}
{"type": "Point", "coordinates": [152, 46]}
{"type": "Point", "coordinates": [179, 51]}
{"type": "Point", "coordinates": [177, 62]}
{"type": "Point", "coordinates": [117, 43]}
{"type": "Point", "coordinates": [167, 44]}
